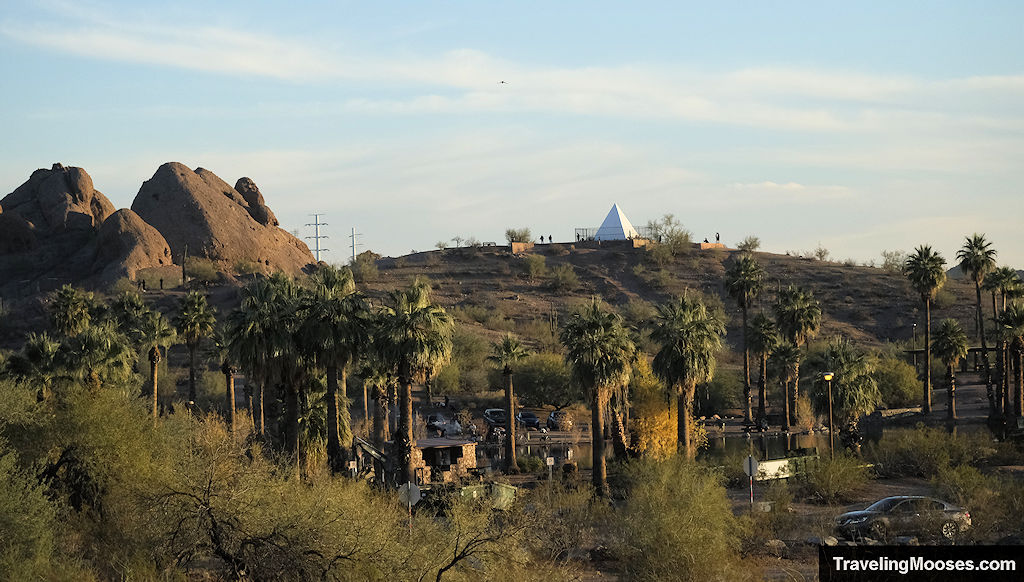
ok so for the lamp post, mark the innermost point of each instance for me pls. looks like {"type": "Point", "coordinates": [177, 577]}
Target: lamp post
{"type": "Point", "coordinates": [831, 439]}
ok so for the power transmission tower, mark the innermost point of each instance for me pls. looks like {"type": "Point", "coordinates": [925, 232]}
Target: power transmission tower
{"type": "Point", "coordinates": [354, 243]}
{"type": "Point", "coordinates": [316, 224]}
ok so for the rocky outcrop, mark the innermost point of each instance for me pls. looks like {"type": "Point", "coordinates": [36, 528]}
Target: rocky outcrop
{"type": "Point", "coordinates": [199, 210]}
{"type": "Point", "coordinates": [126, 244]}
{"type": "Point", "coordinates": [58, 200]}
{"type": "Point", "coordinates": [258, 210]}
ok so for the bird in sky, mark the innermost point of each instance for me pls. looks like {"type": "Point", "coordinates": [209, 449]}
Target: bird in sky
{"type": "Point", "coordinates": [502, 82]}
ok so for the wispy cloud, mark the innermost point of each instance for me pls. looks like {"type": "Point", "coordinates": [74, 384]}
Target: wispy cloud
{"type": "Point", "coordinates": [461, 81]}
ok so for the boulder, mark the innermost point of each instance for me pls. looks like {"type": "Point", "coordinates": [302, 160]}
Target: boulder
{"type": "Point", "coordinates": [199, 210]}
{"type": "Point", "coordinates": [258, 209]}
{"type": "Point", "coordinates": [126, 244]}
{"type": "Point", "coordinates": [59, 200]}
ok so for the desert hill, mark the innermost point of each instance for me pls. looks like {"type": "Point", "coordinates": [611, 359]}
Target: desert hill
{"type": "Point", "coordinates": [56, 228]}
{"type": "Point", "coordinates": [492, 290]}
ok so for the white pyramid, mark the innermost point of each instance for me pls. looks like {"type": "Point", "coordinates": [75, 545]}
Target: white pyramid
{"type": "Point", "coordinates": [616, 226]}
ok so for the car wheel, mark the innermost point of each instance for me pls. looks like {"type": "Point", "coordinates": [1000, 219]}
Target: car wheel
{"type": "Point", "coordinates": [949, 530]}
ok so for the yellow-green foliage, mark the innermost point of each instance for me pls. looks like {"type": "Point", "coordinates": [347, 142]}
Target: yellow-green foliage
{"type": "Point", "coordinates": [898, 383]}
{"type": "Point", "coordinates": [201, 269]}
{"type": "Point", "coordinates": [26, 521]}
{"type": "Point", "coordinates": [996, 503]}
{"type": "Point", "coordinates": [834, 480]}
{"type": "Point", "coordinates": [922, 451]}
{"type": "Point", "coordinates": [676, 524]}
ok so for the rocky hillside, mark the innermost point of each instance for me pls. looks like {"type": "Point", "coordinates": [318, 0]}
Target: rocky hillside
{"type": "Point", "coordinates": [57, 228]}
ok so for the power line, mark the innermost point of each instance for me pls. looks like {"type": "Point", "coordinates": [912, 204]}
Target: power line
{"type": "Point", "coordinates": [316, 224]}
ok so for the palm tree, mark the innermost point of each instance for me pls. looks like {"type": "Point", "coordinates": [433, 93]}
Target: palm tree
{"type": "Point", "coordinates": [254, 335]}
{"type": "Point", "coordinates": [334, 329]}
{"type": "Point", "coordinates": [220, 350]}
{"type": "Point", "coordinates": [854, 389]}
{"type": "Point", "coordinates": [977, 259]}
{"type": "Point", "coordinates": [798, 315]}
{"type": "Point", "coordinates": [764, 339]}
{"type": "Point", "coordinates": [417, 339]}
{"type": "Point", "coordinates": [37, 364]}
{"type": "Point", "coordinates": [690, 336]}
{"type": "Point", "coordinates": [743, 281]}
{"type": "Point", "coordinates": [506, 354]}
{"type": "Point", "coordinates": [70, 311]}
{"type": "Point", "coordinates": [1012, 328]}
{"type": "Point", "coordinates": [784, 359]}
{"type": "Point", "coordinates": [925, 271]}
{"type": "Point", "coordinates": [598, 353]}
{"type": "Point", "coordinates": [949, 344]}
{"type": "Point", "coordinates": [195, 323]}
{"type": "Point", "coordinates": [128, 310]}
{"type": "Point", "coordinates": [98, 356]}
{"type": "Point", "coordinates": [152, 332]}
{"type": "Point", "coordinates": [1006, 282]}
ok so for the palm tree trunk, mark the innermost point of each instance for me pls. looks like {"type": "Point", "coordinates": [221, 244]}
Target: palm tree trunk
{"type": "Point", "coordinates": [403, 439]}
{"type": "Point", "coordinates": [229, 394]}
{"type": "Point", "coordinates": [785, 405]}
{"type": "Point", "coordinates": [192, 374]}
{"type": "Point", "coordinates": [684, 402]}
{"type": "Point", "coordinates": [796, 390]}
{"type": "Point", "coordinates": [292, 423]}
{"type": "Point", "coordinates": [621, 447]}
{"type": "Point", "coordinates": [926, 400]}
{"type": "Point", "coordinates": [746, 369]}
{"type": "Point", "coordinates": [951, 406]}
{"type": "Point", "coordinates": [984, 353]}
{"type": "Point", "coordinates": [600, 472]}
{"type": "Point", "coordinates": [258, 421]}
{"type": "Point", "coordinates": [154, 371]}
{"type": "Point", "coordinates": [510, 426]}
{"type": "Point", "coordinates": [762, 389]}
{"type": "Point", "coordinates": [380, 417]}
{"type": "Point", "coordinates": [1019, 404]}
{"type": "Point", "coordinates": [997, 378]}
{"type": "Point", "coordinates": [1007, 393]}
{"type": "Point", "coordinates": [333, 439]}
{"type": "Point", "coordinates": [366, 408]}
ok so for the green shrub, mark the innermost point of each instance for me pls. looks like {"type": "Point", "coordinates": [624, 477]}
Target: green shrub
{"type": "Point", "coordinates": [530, 464]}
{"type": "Point", "coordinates": [923, 451]}
{"type": "Point", "coordinates": [534, 266]}
{"type": "Point", "coordinates": [364, 267]}
{"type": "Point", "coordinates": [834, 480]}
{"type": "Point", "coordinates": [27, 520]}
{"type": "Point", "coordinates": [897, 381]}
{"type": "Point", "coordinates": [676, 524]}
{"type": "Point", "coordinates": [201, 269]}
{"type": "Point", "coordinates": [563, 278]}
{"type": "Point", "coordinates": [247, 267]}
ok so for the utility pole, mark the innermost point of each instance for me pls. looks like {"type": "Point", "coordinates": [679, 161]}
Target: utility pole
{"type": "Point", "coordinates": [316, 224]}
{"type": "Point", "coordinates": [354, 243]}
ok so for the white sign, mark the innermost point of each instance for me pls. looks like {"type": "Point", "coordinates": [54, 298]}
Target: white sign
{"type": "Point", "coordinates": [550, 461]}
{"type": "Point", "coordinates": [750, 466]}
{"type": "Point", "coordinates": [409, 494]}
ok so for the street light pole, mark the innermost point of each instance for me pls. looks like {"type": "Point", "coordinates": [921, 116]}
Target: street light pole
{"type": "Point", "coordinates": [831, 432]}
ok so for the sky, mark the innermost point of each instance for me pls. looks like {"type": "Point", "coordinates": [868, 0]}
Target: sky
{"type": "Point", "coordinates": [855, 126]}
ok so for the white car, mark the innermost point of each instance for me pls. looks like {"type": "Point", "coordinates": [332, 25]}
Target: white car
{"type": "Point", "coordinates": [446, 426]}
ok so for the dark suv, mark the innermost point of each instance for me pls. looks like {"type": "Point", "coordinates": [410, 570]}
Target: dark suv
{"type": "Point", "coordinates": [495, 417]}
{"type": "Point", "coordinates": [902, 516]}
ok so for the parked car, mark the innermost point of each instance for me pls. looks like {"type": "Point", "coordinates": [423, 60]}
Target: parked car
{"type": "Point", "coordinates": [905, 516]}
{"type": "Point", "coordinates": [444, 425]}
{"type": "Point", "coordinates": [494, 416]}
{"type": "Point", "coordinates": [528, 420]}
{"type": "Point", "coordinates": [559, 420]}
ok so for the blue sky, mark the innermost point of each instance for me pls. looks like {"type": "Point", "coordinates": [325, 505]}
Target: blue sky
{"type": "Point", "coordinates": [859, 126]}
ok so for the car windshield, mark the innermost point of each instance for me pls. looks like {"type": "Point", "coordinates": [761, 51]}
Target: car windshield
{"type": "Point", "coordinates": [526, 414]}
{"type": "Point", "coordinates": [885, 504]}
